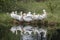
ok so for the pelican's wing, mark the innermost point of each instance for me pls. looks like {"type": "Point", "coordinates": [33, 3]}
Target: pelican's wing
{"type": "Point", "coordinates": [42, 16]}
{"type": "Point", "coordinates": [35, 17]}
{"type": "Point", "coordinates": [27, 18]}
{"type": "Point", "coordinates": [15, 16]}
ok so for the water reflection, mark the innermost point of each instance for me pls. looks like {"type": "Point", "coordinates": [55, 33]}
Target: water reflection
{"type": "Point", "coordinates": [16, 28]}
{"type": "Point", "coordinates": [30, 33]}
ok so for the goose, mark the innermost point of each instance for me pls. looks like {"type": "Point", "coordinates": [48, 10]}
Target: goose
{"type": "Point", "coordinates": [21, 13]}
{"type": "Point", "coordinates": [28, 17]}
{"type": "Point", "coordinates": [41, 17]}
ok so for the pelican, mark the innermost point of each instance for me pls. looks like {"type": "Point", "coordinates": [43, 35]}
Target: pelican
{"type": "Point", "coordinates": [24, 15]}
{"type": "Point", "coordinates": [35, 17]}
{"type": "Point", "coordinates": [12, 15]}
{"type": "Point", "coordinates": [21, 13]}
{"type": "Point", "coordinates": [28, 17]}
{"type": "Point", "coordinates": [43, 15]}
{"type": "Point", "coordinates": [15, 12]}
{"type": "Point", "coordinates": [17, 17]}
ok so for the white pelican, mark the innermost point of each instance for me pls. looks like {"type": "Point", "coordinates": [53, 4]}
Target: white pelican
{"type": "Point", "coordinates": [35, 17]}
{"type": "Point", "coordinates": [13, 15]}
{"type": "Point", "coordinates": [15, 12]}
{"type": "Point", "coordinates": [21, 13]}
{"type": "Point", "coordinates": [24, 14]}
{"type": "Point", "coordinates": [17, 17]}
{"type": "Point", "coordinates": [28, 17]}
{"type": "Point", "coordinates": [43, 15]}
{"type": "Point", "coordinates": [28, 29]}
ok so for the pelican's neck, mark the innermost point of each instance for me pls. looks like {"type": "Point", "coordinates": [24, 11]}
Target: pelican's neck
{"type": "Point", "coordinates": [21, 13]}
{"type": "Point", "coordinates": [15, 12]}
{"type": "Point", "coordinates": [12, 12]}
{"type": "Point", "coordinates": [29, 12]}
{"type": "Point", "coordinates": [44, 11]}
{"type": "Point", "coordinates": [34, 13]}
{"type": "Point", "coordinates": [24, 14]}
{"type": "Point", "coordinates": [38, 14]}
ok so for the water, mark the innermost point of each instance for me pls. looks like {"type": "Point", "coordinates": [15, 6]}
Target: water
{"type": "Point", "coordinates": [30, 33]}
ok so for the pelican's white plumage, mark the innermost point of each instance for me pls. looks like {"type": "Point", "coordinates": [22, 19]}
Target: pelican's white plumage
{"type": "Point", "coordinates": [15, 12]}
{"type": "Point", "coordinates": [21, 16]}
{"type": "Point", "coordinates": [15, 16]}
{"type": "Point", "coordinates": [35, 17]}
{"type": "Point", "coordinates": [44, 15]}
{"type": "Point", "coordinates": [28, 17]}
